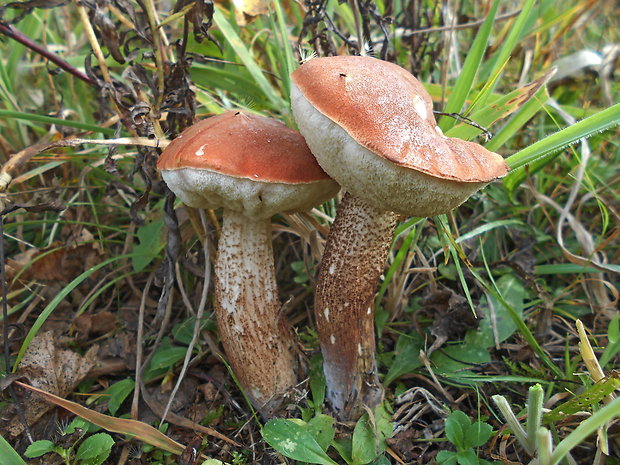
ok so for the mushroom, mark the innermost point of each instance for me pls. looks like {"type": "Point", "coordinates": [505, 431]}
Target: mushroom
{"type": "Point", "coordinates": [370, 125]}
{"type": "Point", "coordinates": [253, 167]}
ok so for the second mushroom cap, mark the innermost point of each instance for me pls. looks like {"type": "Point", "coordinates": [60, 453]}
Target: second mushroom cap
{"type": "Point", "coordinates": [247, 163]}
{"type": "Point", "coordinates": [370, 124]}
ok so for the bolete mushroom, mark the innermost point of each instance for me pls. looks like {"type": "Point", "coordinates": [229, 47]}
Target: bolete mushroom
{"type": "Point", "coordinates": [253, 167]}
{"type": "Point", "coordinates": [370, 125]}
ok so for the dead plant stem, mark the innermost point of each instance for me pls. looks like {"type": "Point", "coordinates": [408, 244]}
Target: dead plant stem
{"type": "Point", "coordinates": [197, 325]}
{"type": "Point", "coordinates": [138, 382]}
{"type": "Point", "coordinates": [94, 43]}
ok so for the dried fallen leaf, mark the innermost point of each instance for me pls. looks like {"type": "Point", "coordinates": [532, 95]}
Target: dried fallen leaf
{"type": "Point", "coordinates": [252, 7]}
{"type": "Point", "coordinates": [52, 369]}
{"type": "Point", "coordinates": [58, 262]}
{"type": "Point", "coordinates": [141, 431]}
{"type": "Point", "coordinates": [95, 324]}
{"type": "Point", "coordinates": [245, 10]}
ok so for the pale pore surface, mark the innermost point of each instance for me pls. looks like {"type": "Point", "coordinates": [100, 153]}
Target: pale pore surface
{"type": "Point", "coordinates": [364, 174]}
{"type": "Point", "coordinates": [252, 198]}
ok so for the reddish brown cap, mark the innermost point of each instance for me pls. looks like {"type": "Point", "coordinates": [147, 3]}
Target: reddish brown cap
{"type": "Point", "coordinates": [248, 163]}
{"type": "Point", "coordinates": [244, 145]}
{"type": "Point", "coordinates": [388, 111]}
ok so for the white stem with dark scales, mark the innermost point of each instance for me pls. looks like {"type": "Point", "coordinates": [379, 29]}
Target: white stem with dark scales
{"type": "Point", "coordinates": [353, 260]}
{"type": "Point", "coordinates": [254, 333]}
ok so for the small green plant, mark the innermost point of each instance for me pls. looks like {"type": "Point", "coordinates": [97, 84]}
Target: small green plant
{"type": "Point", "coordinates": [465, 436]}
{"type": "Point", "coordinates": [94, 450]}
{"type": "Point", "coordinates": [116, 394]}
{"type": "Point", "coordinates": [308, 441]}
{"type": "Point", "coordinates": [302, 272]}
{"type": "Point", "coordinates": [240, 458]}
{"type": "Point", "coordinates": [537, 440]}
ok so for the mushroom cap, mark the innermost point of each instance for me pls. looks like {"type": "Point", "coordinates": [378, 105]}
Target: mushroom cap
{"type": "Point", "coordinates": [248, 163]}
{"type": "Point", "coordinates": [370, 124]}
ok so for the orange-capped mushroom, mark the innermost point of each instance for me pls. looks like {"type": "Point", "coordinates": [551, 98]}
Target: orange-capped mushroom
{"type": "Point", "coordinates": [370, 125]}
{"type": "Point", "coordinates": [253, 167]}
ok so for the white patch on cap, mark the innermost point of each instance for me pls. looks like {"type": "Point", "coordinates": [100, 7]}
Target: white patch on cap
{"type": "Point", "coordinates": [369, 311]}
{"type": "Point", "coordinates": [359, 349]}
{"type": "Point", "coordinates": [332, 339]}
{"type": "Point", "coordinates": [326, 313]}
{"type": "Point", "coordinates": [332, 268]}
{"type": "Point", "coordinates": [420, 107]}
{"type": "Point", "coordinates": [201, 151]}
{"type": "Point", "coordinates": [346, 304]}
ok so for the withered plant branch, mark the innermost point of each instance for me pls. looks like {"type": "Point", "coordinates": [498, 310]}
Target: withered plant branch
{"type": "Point", "coordinates": [105, 73]}
{"type": "Point", "coordinates": [409, 32]}
{"type": "Point", "coordinates": [5, 305]}
{"type": "Point", "coordinates": [173, 247]}
{"type": "Point", "coordinates": [361, 48]}
{"type": "Point", "coordinates": [163, 326]}
{"type": "Point", "coordinates": [332, 27]}
{"type": "Point", "coordinates": [24, 156]}
{"type": "Point", "coordinates": [138, 382]}
{"type": "Point", "coordinates": [427, 363]}
{"type": "Point", "coordinates": [5, 335]}
{"type": "Point", "coordinates": [371, 8]}
{"type": "Point", "coordinates": [184, 296]}
{"type": "Point", "coordinates": [488, 135]}
{"type": "Point", "coordinates": [9, 31]}
{"type": "Point", "coordinates": [94, 43]}
{"type": "Point", "coordinates": [151, 14]}
{"type": "Point", "coordinates": [121, 17]}
{"type": "Point", "coordinates": [182, 13]}
{"type": "Point", "coordinates": [197, 325]}
{"type": "Point", "coordinates": [159, 30]}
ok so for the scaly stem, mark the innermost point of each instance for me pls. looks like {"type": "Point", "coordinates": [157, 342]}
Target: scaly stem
{"type": "Point", "coordinates": [353, 260]}
{"type": "Point", "coordinates": [255, 335]}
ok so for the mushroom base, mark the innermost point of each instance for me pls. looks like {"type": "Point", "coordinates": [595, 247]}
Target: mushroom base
{"type": "Point", "coordinates": [254, 333]}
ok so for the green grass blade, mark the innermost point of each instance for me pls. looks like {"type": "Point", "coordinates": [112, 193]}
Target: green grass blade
{"type": "Point", "coordinates": [288, 62]}
{"type": "Point", "coordinates": [488, 227]}
{"type": "Point", "coordinates": [594, 124]}
{"type": "Point", "coordinates": [585, 428]}
{"type": "Point", "coordinates": [403, 251]}
{"type": "Point", "coordinates": [9, 456]}
{"type": "Point", "coordinates": [518, 120]}
{"type": "Point", "coordinates": [466, 78]}
{"type": "Point", "coordinates": [247, 59]}
{"type": "Point", "coordinates": [485, 94]}
{"type": "Point", "coordinates": [57, 121]}
{"type": "Point", "coordinates": [227, 79]}
{"type": "Point", "coordinates": [510, 42]}
{"type": "Point", "coordinates": [457, 255]}
{"type": "Point", "coordinates": [505, 106]}
{"type": "Point", "coordinates": [543, 151]}
{"type": "Point", "coordinates": [520, 324]}
{"type": "Point", "coordinates": [569, 268]}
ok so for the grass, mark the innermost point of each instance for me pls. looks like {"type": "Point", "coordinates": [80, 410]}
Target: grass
{"type": "Point", "coordinates": [532, 253]}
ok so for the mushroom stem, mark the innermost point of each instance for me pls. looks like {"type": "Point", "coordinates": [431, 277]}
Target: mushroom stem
{"type": "Point", "coordinates": [353, 260]}
{"type": "Point", "coordinates": [255, 336]}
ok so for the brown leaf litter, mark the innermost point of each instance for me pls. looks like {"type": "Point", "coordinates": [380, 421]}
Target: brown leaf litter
{"type": "Point", "coordinates": [51, 368]}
